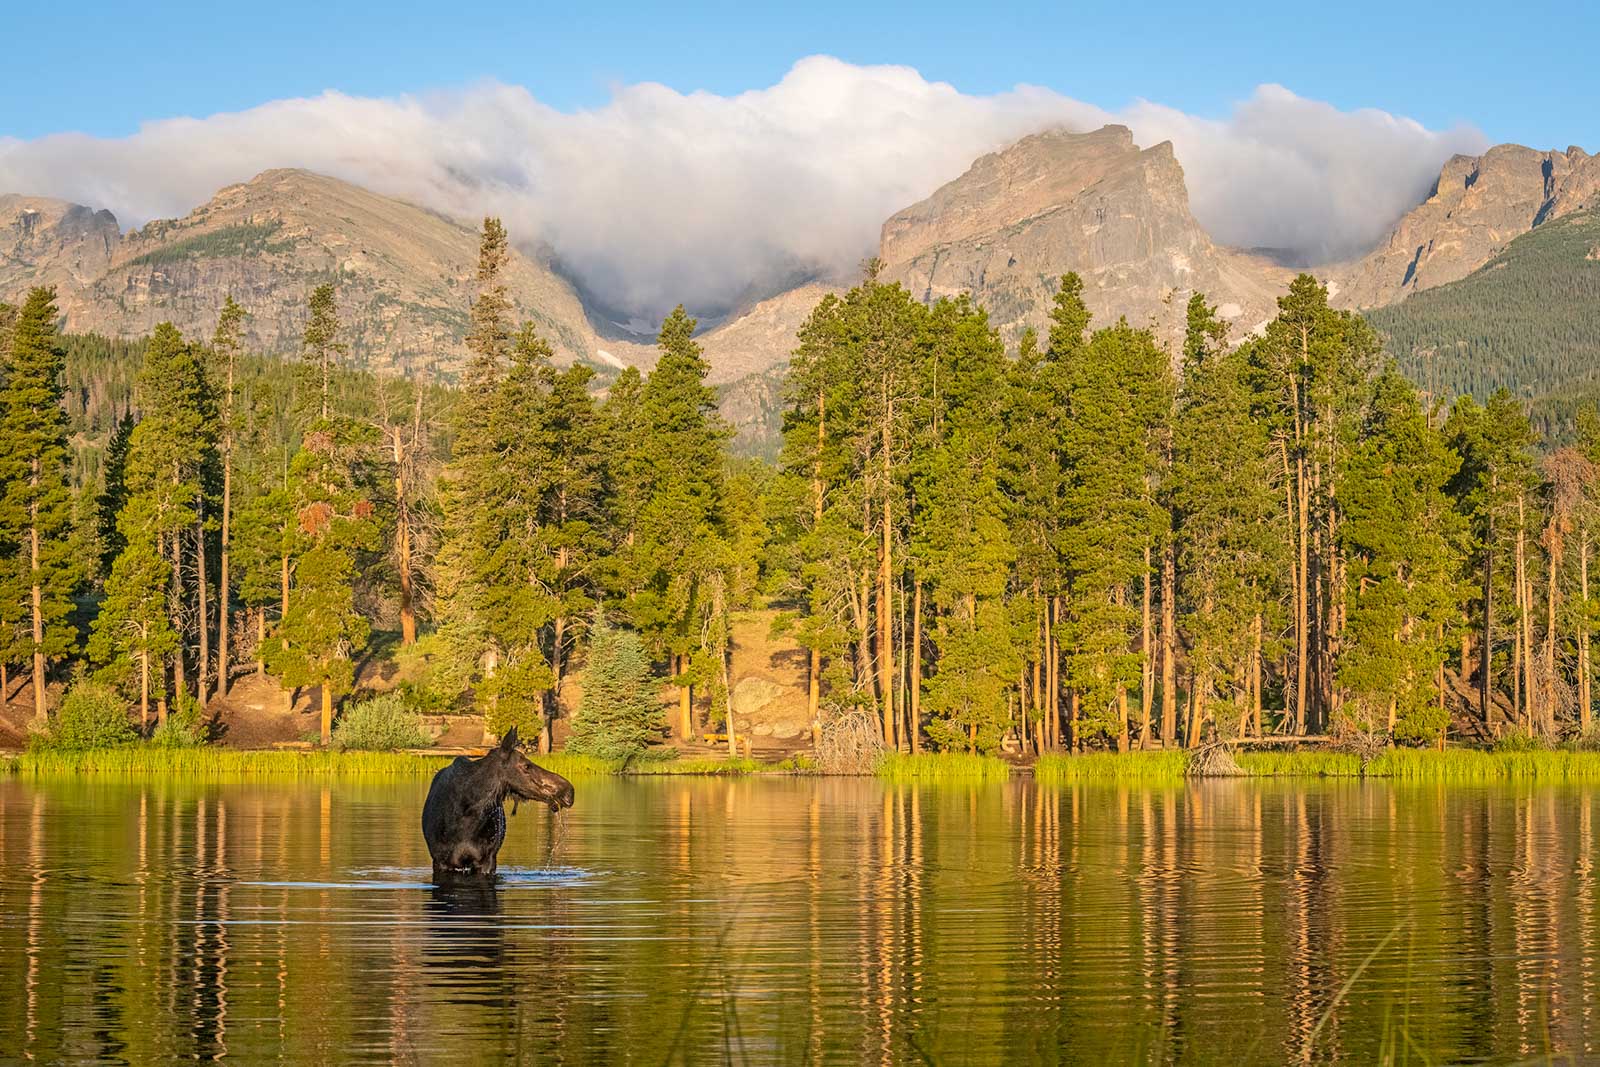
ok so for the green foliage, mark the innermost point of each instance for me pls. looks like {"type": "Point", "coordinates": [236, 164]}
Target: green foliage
{"type": "Point", "coordinates": [380, 724]}
{"type": "Point", "coordinates": [1117, 390]}
{"type": "Point", "coordinates": [93, 715]}
{"type": "Point", "coordinates": [184, 727]}
{"type": "Point", "coordinates": [1398, 534]}
{"type": "Point", "coordinates": [620, 713]}
{"type": "Point", "coordinates": [36, 550]}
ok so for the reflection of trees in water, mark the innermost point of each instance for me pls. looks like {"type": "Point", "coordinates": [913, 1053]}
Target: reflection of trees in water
{"type": "Point", "coordinates": [811, 921]}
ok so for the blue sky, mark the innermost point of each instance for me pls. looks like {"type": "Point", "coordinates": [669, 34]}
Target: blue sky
{"type": "Point", "coordinates": [102, 68]}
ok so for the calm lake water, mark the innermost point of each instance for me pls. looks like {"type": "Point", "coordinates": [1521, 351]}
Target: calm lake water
{"type": "Point", "coordinates": [790, 920]}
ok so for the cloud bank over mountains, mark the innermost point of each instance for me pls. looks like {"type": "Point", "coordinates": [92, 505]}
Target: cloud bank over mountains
{"type": "Point", "coordinates": [658, 196]}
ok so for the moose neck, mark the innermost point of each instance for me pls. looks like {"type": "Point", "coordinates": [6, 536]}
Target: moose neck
{"type": "Point", "coordinates": [489, 791]}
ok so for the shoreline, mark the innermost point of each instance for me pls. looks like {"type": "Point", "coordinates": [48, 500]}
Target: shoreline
{"type": "Point", "coordinates": [1138, 768]}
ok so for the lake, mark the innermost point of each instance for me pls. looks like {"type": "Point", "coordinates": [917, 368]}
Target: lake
{"type": "Point", "coordinates": [789, 920]}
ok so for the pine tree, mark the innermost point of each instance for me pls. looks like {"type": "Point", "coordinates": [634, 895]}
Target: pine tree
{"type": "Point", "coordinates": [321, 353]}
{"type": "Point", "coordinates": [961, 544]}
{"type": "Point", "coordinates": [472, 481]}
{"type": "Point", "coordinates": [133, 630]}
{"type": "Point", "coordinates": [167, 452]}
{"type": "Point", "coordinates": [620, 713]}
{"type": "Point", "coordinates": [1309, 370]}
{"type": "Point", "coordinates": [114, 492]}
{"type": "Point", "coordinates": [1491, 489]}
{"type": "Point", "coordinates": [1220, 490]}
{"type": "Point", "coordinates": [678, 549]}
{"type": "Point", "coordinates": [1398, 536]}
{"type": "Point", "coordinates": [572, 513]}
{"type": "Point", "coordinates": [226, 347]}
{"type": "Point", "coordinates": [514, 604]}
{"type": "Point", "coordinates": [330, 487]}
{"type": "Point", "coordinates": [818, 527]}
{"type": "Point", "coordinates": [1117, 391]}
{"type": "Point", "coordinates": [37, 586]}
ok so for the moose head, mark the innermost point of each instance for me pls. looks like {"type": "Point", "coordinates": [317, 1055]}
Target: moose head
{"type": "Point", "coordinates": [518, 777]}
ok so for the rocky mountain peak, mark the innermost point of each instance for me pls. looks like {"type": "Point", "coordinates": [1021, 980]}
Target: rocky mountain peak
{"type": "Point", "coordinates": [1094, 203]}
{"type": "Point", "coordinates": [1478, 205]}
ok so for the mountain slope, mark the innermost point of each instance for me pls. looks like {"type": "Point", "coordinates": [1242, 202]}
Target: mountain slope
{"type": "Point", "coordinates": [1093, 203]}
{"type": "Point", "coordinates": [404, 275]}
{"type": "Point", "coordinates": [1529, 320]}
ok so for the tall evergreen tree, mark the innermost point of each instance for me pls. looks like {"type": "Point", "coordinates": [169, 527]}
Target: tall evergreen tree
{"type": "Point", "coordinates": [133, 631]}
{"type": "Point", "coordinates": [1398, 538]}
{"type": "Point", "coordinates": [165, 468]}
{"type": "Point", "coordinates": [620, 713]}
{"type": "Point", "coordinates": [226, 347]}
{"type": "Point", "coordinates": [38, 582]}
{"type": "Point", "coordinates": [1117, 390]}
{"type": "Point", "coordinates": [1492, 488]}
{"type": "Point", "coordinates": [677, 558]}
{"type": "Point", "coordinates": [330, 488]}
{"type": "Point", "coordinates": [1220, 489]}
{"type": "Point", "coordinates": [961, 542]}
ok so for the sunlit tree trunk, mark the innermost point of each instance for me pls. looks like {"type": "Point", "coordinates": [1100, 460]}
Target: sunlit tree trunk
{"type": "Point", "coordinates": [144, 691]}
{"type": "Point", "coordinates": [202, 609]}
{"type": "Point", "coordinates": [914, 726]}
{"type": "Point", "coordinates": [885, 569]}
{"type": "Point", "coordinates": [1585, 707]}
{"type": "Point", "coordinates": [403, 540]}
{"type": "Point", "coordinates": [685, 710]}
{"type": "Point", "coordinates": [36, 596]}
{"type": "Point", "coordinates": [327, 711]}
{"type": "Point", "coordinates": [1147, 666]}
{"type": "Point", "coordinates": [1169, 641]}
{"type": "Point", "coordinates": [1485, 666]}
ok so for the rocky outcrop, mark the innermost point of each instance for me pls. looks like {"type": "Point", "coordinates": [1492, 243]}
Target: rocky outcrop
{"type": "Point", "coordinates": [1092, 203]}
{"type": "Point", "coordinates": [1479, 205]}
{"type": "Point", "coordinates": [761, 337]}
{"type": "Point", "coordinates": [52, 242]}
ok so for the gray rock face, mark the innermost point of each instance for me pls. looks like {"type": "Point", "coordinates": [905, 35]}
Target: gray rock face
{"type": "Point", "coordinates": [52, 242]}
{"type": "Point", "coordinates": [1477, 207]}
{"type": "Point", "coordinates": [1092, 203]}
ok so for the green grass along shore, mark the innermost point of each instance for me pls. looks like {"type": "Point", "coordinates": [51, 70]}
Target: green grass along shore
{"type": "Point", "coordinates": [1462, 766]}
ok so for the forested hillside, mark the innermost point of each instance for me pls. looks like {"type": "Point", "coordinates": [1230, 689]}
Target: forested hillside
{"type": "Point", "coordinates": [1528, 321]}
{"type": "Point", "coordinates": [1088, 540]}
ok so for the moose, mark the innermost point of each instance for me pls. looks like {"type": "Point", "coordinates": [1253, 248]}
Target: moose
{"type": "Point", "coordinates": [464, 817]}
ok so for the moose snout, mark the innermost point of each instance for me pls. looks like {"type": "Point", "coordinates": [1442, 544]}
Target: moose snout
{"type": "Point", "coordinates": [563, 798]}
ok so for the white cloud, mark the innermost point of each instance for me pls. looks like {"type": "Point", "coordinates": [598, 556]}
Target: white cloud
{"type": "Point", "coordinates": [660, 196]}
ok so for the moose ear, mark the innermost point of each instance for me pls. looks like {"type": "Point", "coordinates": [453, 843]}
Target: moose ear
{"type": "Point", "coordinates": [509, 741]}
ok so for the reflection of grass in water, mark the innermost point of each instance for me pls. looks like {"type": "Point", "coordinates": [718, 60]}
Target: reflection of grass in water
{"type": "Point", "coordinates": [905, 767]}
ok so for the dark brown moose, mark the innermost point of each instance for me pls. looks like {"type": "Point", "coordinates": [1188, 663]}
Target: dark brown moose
{"type": "Point", "coordinates": [464, 817]}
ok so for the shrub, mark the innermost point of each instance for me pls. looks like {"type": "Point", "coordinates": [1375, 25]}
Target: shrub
{"type": "Point", "coordinates": [92, 715]}
{"type": "Point", "coordinates": [1517, 739]}
{"type": "Point", "coordinates": [381, 724]}
{"type": "Point", "coordinates": [185, 726]}
{"type": "Point", "coordinates": [620, 713]}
